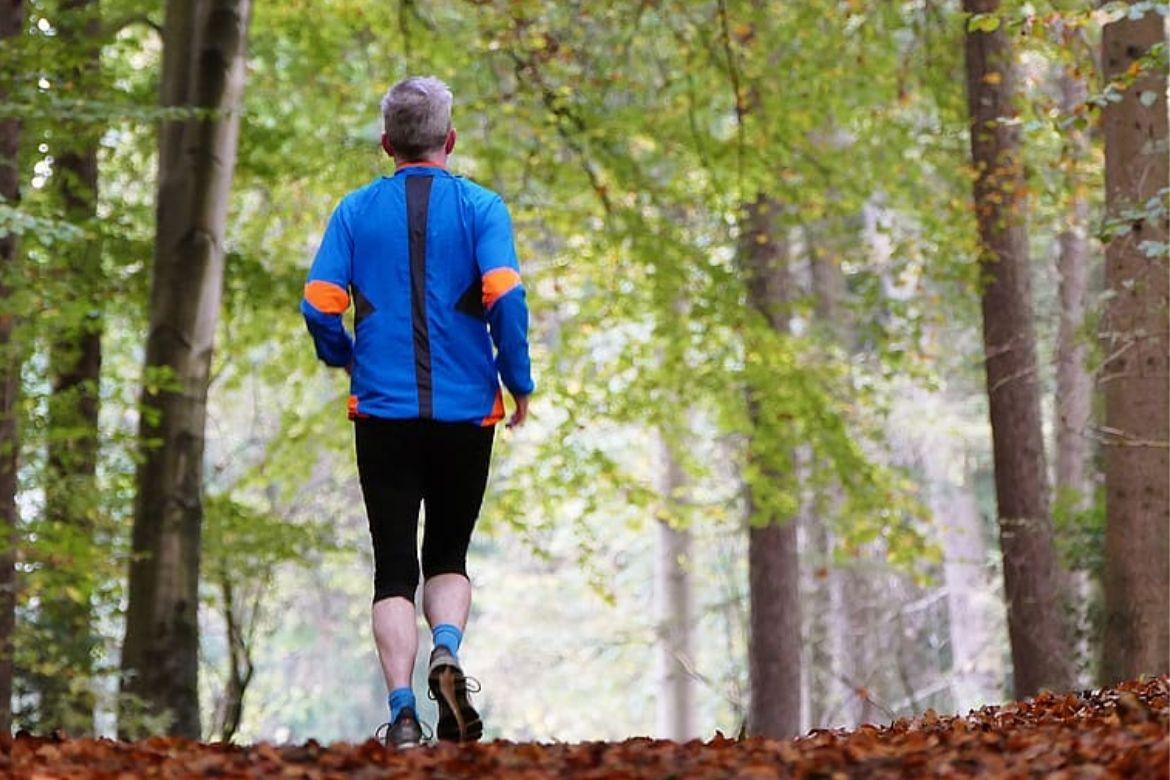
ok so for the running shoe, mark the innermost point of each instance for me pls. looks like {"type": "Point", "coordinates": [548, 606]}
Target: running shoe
{"type": "Point", "coordinates": [449, 687]}
{"type": "Point", "coordinates": [404, 733]}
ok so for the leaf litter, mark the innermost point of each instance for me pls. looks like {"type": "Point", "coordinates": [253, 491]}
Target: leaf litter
{"type": "Point", "coordinates": [1108, 733]}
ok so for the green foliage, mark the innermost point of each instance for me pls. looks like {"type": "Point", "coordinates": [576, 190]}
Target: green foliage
{"type": "Point", "coordinates": [625, 138]}
{"type": "Point", "coordinates": [242, 544]}
{"type": "Point", "coordinates": [1080, 530]}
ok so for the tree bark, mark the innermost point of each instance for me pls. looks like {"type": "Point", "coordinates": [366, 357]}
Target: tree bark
{"type": "Point", "coordinates": [203, 67]}
{"type": "Point", "coordinates": [976, 674]}
{"type": "Point", "coordinates": [11, 358]}
{"type": "Point", "coordinates": [240, 667]}
{"type": "Point", "coordinates": [1037, 623]}
{"type": "Point", "coordinates": [816, 554]}
{"type": "Point", "coordinates": [835, 655]}
{"type": "Point", "coordinates": [1135, 376]}
{"type": "Point", "coordinates": [1073, 384]}
{"type": "Point", "coordinates": [64, 622]}
{"type": "Point", "coordinates": [676, 700]}
{"type": "Point", "coordinates": [774, 641]}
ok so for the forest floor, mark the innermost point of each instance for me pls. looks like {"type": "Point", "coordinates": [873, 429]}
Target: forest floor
{"type": "Point", "coordinates": [1120, 732]}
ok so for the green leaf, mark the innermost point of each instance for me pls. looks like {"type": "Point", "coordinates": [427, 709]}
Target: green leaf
{"type": "Point", "coordinates": [983, 23]}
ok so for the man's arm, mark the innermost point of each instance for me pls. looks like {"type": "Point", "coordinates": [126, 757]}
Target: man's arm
{"type": "Point", "coordinates": [326, 297]}
{"type": "Point", "coordinates": [504, 298]}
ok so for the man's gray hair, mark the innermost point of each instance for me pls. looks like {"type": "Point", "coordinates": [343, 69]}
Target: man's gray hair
{"type": "Point", "coordinates": [417, 116]}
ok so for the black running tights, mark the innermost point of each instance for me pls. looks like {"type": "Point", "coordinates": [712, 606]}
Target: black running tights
{"type": "Point", "coordinates": [402, 463]}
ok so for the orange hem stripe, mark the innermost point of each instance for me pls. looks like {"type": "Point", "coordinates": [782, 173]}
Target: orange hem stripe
{"type": "Point", "coordinates": [352, 408]}
{"type": "Point", "coordinates": [497, 413]}
{"type": "Point", "coordinates": [496, 283]}
{"type": "Point", "coordinates": [326, 297]}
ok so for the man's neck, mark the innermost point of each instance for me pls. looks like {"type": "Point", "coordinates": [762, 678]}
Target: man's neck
{"type": "Point", "coordinates": [429, 162]}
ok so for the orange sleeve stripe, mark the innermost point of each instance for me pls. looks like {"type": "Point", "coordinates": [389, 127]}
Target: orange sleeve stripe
{"type": "Point", "coordinates": [326, 297]}
{"type": "Point", "coordinates": [496, 283]}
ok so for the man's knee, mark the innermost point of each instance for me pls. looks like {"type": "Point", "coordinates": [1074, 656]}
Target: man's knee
{"type": "Point", "coordinates": [448, 564]}
{"type": "Point", "coordinates": [389, 590]}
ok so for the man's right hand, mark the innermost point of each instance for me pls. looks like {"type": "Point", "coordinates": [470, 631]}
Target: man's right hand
{"type": "Point", "coordinates": [521, 413]}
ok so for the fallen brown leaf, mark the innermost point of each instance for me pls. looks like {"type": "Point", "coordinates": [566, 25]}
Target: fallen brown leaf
{"type": "Point", "coordinates": [1119, 732]}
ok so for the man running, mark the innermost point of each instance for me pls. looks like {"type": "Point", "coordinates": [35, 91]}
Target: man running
{"type": "Point", "coordinates": [428, 261]}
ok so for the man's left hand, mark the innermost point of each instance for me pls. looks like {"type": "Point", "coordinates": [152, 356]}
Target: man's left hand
{"type": "Point", "coordinates": [520, 414]}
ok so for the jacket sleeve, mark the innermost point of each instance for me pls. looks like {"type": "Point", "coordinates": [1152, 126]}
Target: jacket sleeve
{"type": "Point", "coordinates": [326, 292]}
{"type": "Point", "coordinates": [503, 296]}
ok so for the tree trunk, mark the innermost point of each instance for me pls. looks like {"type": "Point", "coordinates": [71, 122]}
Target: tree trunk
{"type": "Point", "coordinates": [816, 554]}
{"type": "Point", "coordinates": [240, 666]}
{"type": "Point", "coordinates": [774, 641]}
{"type": "Point", "coordinates": [11, 358]}
{"type": "Point", "coordinates": [676, 700]}
{"type": "Point", "coordinates": [64, 623]}
{"type": "Point", "coordinates": [834, 653]}
{"type": "Point", "coordinates": [203, 66]}
{"type": "Point", "coordinates": [1137, 552]}
{"type": "Point", "coordinates": [1074, 385]}
{"type": "Point", "coordinates": [1037, 623]}
{"type": "Point", "coordinates": [975, 674]}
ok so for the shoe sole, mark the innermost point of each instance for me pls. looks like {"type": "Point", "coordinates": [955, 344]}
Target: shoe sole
{"type": "Point", "coordinates": [458, 720]}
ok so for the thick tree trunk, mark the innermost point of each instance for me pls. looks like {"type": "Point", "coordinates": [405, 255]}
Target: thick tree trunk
{"type": "Point", "coordinates": [774, 641]}
{"type": "Point", "coordinates": [1037, 621]}
{"type": "Point", "coordinates": [203, 66]}
{"type": "Point", "coordinates": [64, 623]}
{"type": "Point", "coordinates": [11, 358]}
{"type": "Point", "coordinates": [676, 700]}
{"type": "Point", "coordinates": [1135, 376]}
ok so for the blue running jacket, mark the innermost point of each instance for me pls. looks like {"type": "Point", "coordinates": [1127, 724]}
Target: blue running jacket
{"type": "Point", "coordinates": [428, 261]}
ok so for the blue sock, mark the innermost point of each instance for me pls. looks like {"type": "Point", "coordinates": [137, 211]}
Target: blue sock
{"type": "Point", "coordinates": [401, 699]}
{"type": "Point", "coordinates": [448, 636]}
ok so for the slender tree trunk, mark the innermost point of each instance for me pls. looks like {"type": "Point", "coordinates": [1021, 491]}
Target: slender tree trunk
{"type": "Point", "coordinates": [676, 701]}
{"type": "Point", "coordinates": [834, 652]}
{"type": "Point", "coordinates": [11, 358]}
{"type": "Point", "coordinates": [863, 662]}
{"type": "Point", "coordinates": [975, 677]}
{"type": "Point", "coordinates": [816, 554]}
{"type": "Point", "coordinates": [1074, 385]}
{"type": "Point", "coordinates": [975, 674]}
{"type": "Point", "coordinates": [1037, 621]}
{"type": "Point", "coordinates": [774, 641]}
{"type": "Point", "coordinates": [63, 625]}
{"type": "Point", "coordinates": [203, 66]}
{"type": "Point", "coordinates": [1135, 376]}
{"type": "Point", "coordinates": [240, 666]}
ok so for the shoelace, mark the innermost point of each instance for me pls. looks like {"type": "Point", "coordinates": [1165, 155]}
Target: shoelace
{"type": "Point", "coordinates": [381, 731]}
{"type": "Point", "coordinates": [473, 686]}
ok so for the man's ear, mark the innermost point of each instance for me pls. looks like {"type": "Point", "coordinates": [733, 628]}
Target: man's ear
{"type": "Point", "coordinates": [449, 146]}
{"type": "Point", "coordinates": [386, 145]}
